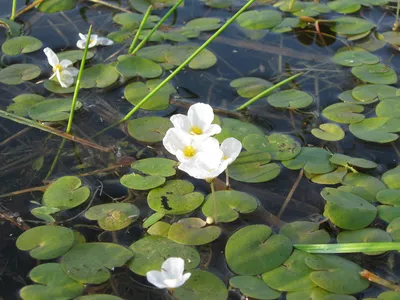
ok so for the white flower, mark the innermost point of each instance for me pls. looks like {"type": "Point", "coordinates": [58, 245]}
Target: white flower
{"type": "Point", "coordinates": [198, 121]}
{"type": "Point", "coordinates": [94, 41]}
{"type": "Point", "coordinates": [171, 275]}
{"type": "Point", "coordinates": [63, 70]}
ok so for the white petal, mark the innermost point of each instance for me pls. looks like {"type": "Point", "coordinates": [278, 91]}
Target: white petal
{"type": "Point", "coordinates": [173, 268]}
{"type": "Point", "coordinates": [83, 36]}
{"type": "Point", "coordinates": [181, 122]}
{"type": "Point", "coordinates": [81, 44]}
{"type": "Point", "coordinates": [185, 277]}
{"type": "Point", "coordinates": [104, 41]}
{"type": "Point", "coordinates": [208, 144]}
{"type": "Point", "coordinates": [201, 115]}
{"type": "Point", "coordinates": [212, 129]}
{"type": "Point", "coordinates": [51, 57]}
{"type": "Point", "coordinates": [65, 63]}
{"type": "Point", "coordinates": [156, 278]}
{"type": "Point", "coordinates": [193, 170]}
{"type": "Point", "coordinates": [58, 74]}
{"type": "Point", "coordinates": [174, 140]}
{"type": "Point", "coordinates": [231, 148]}
{"type": "Point", "coordinates": [65, 79]}
{"type": "Point", "coordinates": [53, 75]}
{"type": "Point", "coordinates": [93, 43]}
{"type": "Point", "coordinates": [73, 71]}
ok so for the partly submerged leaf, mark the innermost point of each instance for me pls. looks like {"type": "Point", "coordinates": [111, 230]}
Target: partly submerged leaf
{"type": "Point", "coordinates": [52, 110]}
{"type": "Point", "coordinates": [248, 87]}
{"type": "Point", "coordinates": [312, 159]}
{"type": "Point", "coordinates": [23, 102]}
{"type": "Point", "coordinates": [21, 44]}
{"type": "Point", "coordinates": [328, 132]}
{"type": "Point", "coordinates": [377, 73]}
{"type": "Point", "coordinates": [379, 129]}
{"type": "Point", "coordinates": [18, 73]}
{"type": "Point", "coordinates": [259, 19]}
{"type": "Point", "coordinates": [253, 287]}
{"type": "Point", "coordinates": [99, 76]}
{"type": "Point", "coordinates": [290, 99]}
{"type": "Point", "coordinates": [149, 129]}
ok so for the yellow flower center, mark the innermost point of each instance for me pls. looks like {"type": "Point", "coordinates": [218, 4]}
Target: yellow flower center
{"type": "Point", "coordinates": [225, 157]}
{"type": "Point", "coordinates": [196, 130]}
{"type": "Point", "coordinates": [57, 67]}
{"type": "Point", "coordinates": [189, 151]}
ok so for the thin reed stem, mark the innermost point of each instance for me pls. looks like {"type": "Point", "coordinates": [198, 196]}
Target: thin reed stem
{"type": "Point", "coordinates": [396, 23]}
{"type": "Point", "coordinates": [214, 201]}
{"type": "Point", "coordinates": [348, 247]}
{"type": "Point", "coordinates": [29, 7]}
{"type": "Point", "coordinates": [13, 10]}
{"type": "Point", "coordinates": [110, 5]}
{"type": "Point", "coordinates": [53, 165]}
{"type": "Point", "coordinates": [139, 31]}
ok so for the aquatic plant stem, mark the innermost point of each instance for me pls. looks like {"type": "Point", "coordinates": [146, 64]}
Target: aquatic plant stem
{"type": "Point", "coordinates": [291, 192]}
{"type": "Point", "coordinates": [13, 10]}
{"type": "Point", "coordinates": [139, 31]}
{"type": "Point", "coordinates": [53, 165]}
{"type": "Point", "coordinates": [378, 280]}
{"type": "Point", "coordinates": [78, 82]}
{"type": "Point", "coordinates": [110, 5]}
{"type": "Point", "coordinates": [29, 7]}
{"type": "Point", "coordinates": [147, 37]}
{"type": "Point", "coordinates": [214, 201]}
{"type": "Point", "coordinates": [269, 90]}
{"type": "Point", "coordinates": [396, 23]}
{"type": "Point", "coordinates": [348, 247]}
{"type": "Point", "coordinates": [227, 178]}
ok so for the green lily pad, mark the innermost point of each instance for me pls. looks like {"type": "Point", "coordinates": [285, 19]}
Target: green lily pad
{"type": "Point", "coordinates": [391, 178]}
{"type": "Point", "coordinates": [390, 295]}
{"type": "Point", "coordinates": [136, 91]}
{"type": "Point", "coordinates": [389, 197]}
{"type": "Point", "coordinates": [176, 55]}
{"type": "Point", "coordinates": [315, 293]}
{"type": "Point", "coordinates": [131, 21]}
{"type": "Point", "coordinates": [141, 183]}
{"type": "Point", "coordinates": [288, 24]}
{"type": "Point", "coordinates": [98, 297]}
{"type": "Point", "coordinates": [290, 99]}
{"type": "Point", "coordinates": [253, 287]}
{"type": "Point", "coordinates": [366, 235]}
{"type": "Point", "coordinates": [372, 184]}
{"type": "Point", "coordinates": [113, 216]}
{"type": "Point", "coordinates": [153, 219]}
{"type": "Point", "coordinates": [204, 24]}
{"type": "Point", "coordinates": [313, 160]}
{"type": "Point", "coordinates": [193, 233]}
{"type": "Point", "coordinates": [99, 76]}
{"type": "Point", "coordinates": [328, 132]}
{"type": "Point", "coordinates": [304, 232]}
{"type": "Point", "coordinates": [379, 129]}
{"type": "Point", "coordinates": [336, 274]}
{"type": "Point", "coordinates": [252, 250]}
{"type": "Point", "coordinates": [311, 9]}
{"type": "Point", "coordinates": [394, 229]}
{"type": "Point", "coordinates": [377, 73]}
{"type": "Point", "coordinates": [389, 108]}
{"type": "Point", "coordinates": [333, 177]}
{"type": "Point", "coordinates": [348, 97]}
{"type": "Point", "coordinates": [74, 55]}
{"type": "Point", "coordinates": [363, 192]}
{"type": "Point", "coordinates": [53, 283]}
{"type": "Point", "coordinates": [369, 93]}
{"type": "Point", "coordinates": [351, 25]}
{"type": "Point", "coordinates": [90, 262]}
{"type": "Point", "coordinates": [344, 113]}
{"type": "Point", "coordinates": [236, 129]}
{"type": "Point", "coordinates": [253, 167]}
{"type": "Point", "coordinates": [155, 53]}
{"type": "Point", "coordinates": [18, 73]}
{"type": "Point", "coordinates": [248, 87]}
{"type": "Point", "coordinates": [292, 276]}
{"type": "Point", "coordinates": [159, 228]}
{"type": "Point", "coordinates": [52, 110]}
{"type": "Point", "coordinates": [52, 6]}
{"type": "Point", "coordinates": [353, 58]}
{"type": "Point", "coordinates": [13, 28]}
{"type": "Point", "coordinates": [150, 252]}
{"type": "Point", "coordinates": [46, 242]}
{"type": "Point", "coordinates": [132, 66]}
{"type": "Point", "coordinates": [175, 197]}
{"type": "Point", "coordinates": [22, 103]}
{"type": "Point", "coordinates": [44, 213]}
{"type": "Point", "coordinates": [149, 129]}
{"type": "Point", "coordinates": [279, 146]}
{"type": "Point", "coordinates": [259, 19]}
{"type": "Point", "coordinates": [21, 44]}
{"type": "Point", "coordinates": [65, 193]}
{"type": "Point", "coordinates": [202, 285]}
{"type": "Point", "coordinates": [388, 213]}
{"type": "Point", "coordinates": [347, 210]}
{"type": "Point", "coordinates": [155, 166]}
{"type": "Point", "coordinates": [55, 87]}
{"type": "Point", "coordinates": [345, 161]}
{"type": "Point", "coordinates": [345, 6]}
{"type": "Point", "coordinates": [392, 37]}
{"type": "Point", "coordinates": [229, 204]}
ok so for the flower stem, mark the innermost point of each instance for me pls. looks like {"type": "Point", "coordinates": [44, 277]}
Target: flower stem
{"type": "Point", "coordinates": [214, 201]}
{"type": "Point", "coordinates": [78, 82]}
{"type": "Point", "coordinates": [139, 31]}
{"type": "Point", "coordinates": [147, 37]}
{"type": "Point", "coordinates": [13, 10]}
{"type": "Point", "coordinates": [348, 247]}
{"type": "Point", "coordinates": [376, 279]}
{"type": "Point", "coordinates": [269, 90]}
{"type": "Point", "coordinates": [227, 178]}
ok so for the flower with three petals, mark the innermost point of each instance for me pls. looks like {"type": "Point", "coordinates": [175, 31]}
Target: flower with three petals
{"type": "Point", "coordinates": [171, 275]}
{"type": "Point", "coordinates": [95, 40]}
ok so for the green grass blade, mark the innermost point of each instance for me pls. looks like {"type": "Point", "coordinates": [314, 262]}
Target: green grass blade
{"type": "Point", "coordinates": [138, 32]}
{"type": "Point", "coordinates": [13, 10]}
{"type": "Point", "coordinates": [348, 247]}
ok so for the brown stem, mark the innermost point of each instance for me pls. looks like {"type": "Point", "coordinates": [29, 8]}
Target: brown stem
{"type": "Point", "coordinates": [378, 280]}
{"type": "Point", "coordinates": [291, 192]}
{"type": "Point", "coordinates": [14, 136]}
{"type": "Point", "coordinates": [29, 7]}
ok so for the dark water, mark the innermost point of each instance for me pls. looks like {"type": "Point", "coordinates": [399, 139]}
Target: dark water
{"type": "Point", "coordinates": [268, 58]}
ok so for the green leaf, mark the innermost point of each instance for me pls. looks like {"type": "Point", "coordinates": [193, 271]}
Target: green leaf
{"type": "Point", "coordinates": [18, 73]}
{"type": "Point", "coordinates": [56, 88]}
{"type": "Point", "coordinates": [311, 294]}
{"type": "Point", "coordinates": [344, 113]}
{"type": "Point", "coordinates": [259, 19]}
{"type": "Point", "coordinates": [132, 66]}
{"type": "Point", "coordinates": [388, 213]}
{"type": "Point", "coordinates": [236, 129]}
{"type": "Point", "coordinates": [149, 129]}
{"type": "Point", "coordinates": [304, 232]}
{"type": "Point", "coordinates": [389, 197]}
{"type": "Point", "coordinates": [345, 160]}
{"type": "Point", "coordinates": [204, 24]}
{"type": "Point", "coordinates": [379, 129]}
{"type": "Point", "coordinates": [394, 229]}
{"type": "Point", "coordinates": [290, 99]}
{"type": "Point", "coordinates": [345, 6]}
{"type": "Point", "coordinates": [249, 87]}
{"type": "Point", "coordinates": [372, 184]}
{"type": "Point", "coordinates": [191, 231]}
{"type": "Point", "coordinates": [155, 53]}
{"type": "Point", "coordinates": [12, 27]}
{"type": "Point", "coordinates": [141, 183]}
{"type": "Point", "coordinates": [99, 76]}
{"type": "Point", "coordinates": [333, 177]}
{"type": "Point", "coordinates": [313, 160]}
{"type": "Point", "coordinates": [369, 93]}
{"type": "Point", "coordinates": [176, 55]}
{"type": "Point", "coordinates": [23, 102]}
{"type": "Point", "coordinates": [392, 178]}
{"type": "Point", "coordinates": [44, 212]}
{"type": "Point", "coordinates": [74, 55]}
{"type": "Point", "coordinates": [353, 58]}
{"type": "Point", "coordinates": [52, 6]}
{"type": "Point", "coordinates": [52, 110]}
{"type": "Point", "coordinates": [377, 73]}
{"type": "Point", "coordinates": [21, 44]}
{"type": "Point", "coordinates": [99, 297]}
{"type": "Point", "coordinates": [153, 219]}
{"type": "Point", "coordinates": [328, 132]}
{"type": "Point", "coordinates": [389, 108]}
{"type": "Point", "coordinates": [351, 25]}
{"type": "Point", "coordinates": [392, 37]}
{"type": "Point", "coordinates": [253, 287]}
{"type": "Point", "coordinates": [155, 166]}
{"type": "Point", "coordinates": [159, 228]}
{"type": "Point", "coordinates": [46, 242]}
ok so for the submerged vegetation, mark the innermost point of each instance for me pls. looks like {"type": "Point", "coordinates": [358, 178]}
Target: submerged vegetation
{"type": "Point", "coordinates": [142, 161]}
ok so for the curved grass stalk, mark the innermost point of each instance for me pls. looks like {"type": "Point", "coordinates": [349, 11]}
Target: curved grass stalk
{"type": "Point", "coordinates": [139, 31]}
{"type": "Point", "coordinates": [348, 247]}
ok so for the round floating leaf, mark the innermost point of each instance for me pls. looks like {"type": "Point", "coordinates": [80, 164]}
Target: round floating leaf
{"type": "Point", "coordinates": [378, 129]}
{"type": "Point", "coordinates": [345, 6]}
{"type": "Point", "coordinates": [336, 274]}
{"type": "Point", "coordinates": [354, 58]}
{"type": "Point", "coordinates": [153, 219]}
{"type": "Point", "coordinates": [351, 25]}
{"type": "Point", "coordinates": [378, 73]}
{"type": "Point", "coordinates": [344, 113]}
{"type": "Point", "coordinates": [46, 242]}
{"type": "Point", "coordinates": [363, 192]}
{"type": "Point", "coordinates": [99, 76]}
{"type": "Point", "coordinates": [53, 284]}
{"type": "Point", "coordinates": [113, 216]}
{"type": "Point", "coordinates": [392, 178]}
{"type": "Point", "coordinates": [18, 73]}
{"type": "Point", "coordinates": [192, 233]}
{"type": "Point", "coordinates": [150, 253]}
{"type": "Point", "coordinates": [178, 54]}
{"type": "Point", "coordinates": [347, 97]}
{"type": "Point", "coordinates": [131, 21]}
{"type": "Point", "coordinates": [347, 210]}
{"type": "Point", "coordinates": [65, 193]}
{"type": "Point", "coordinates": [252, 250]}
{"type": "Point", "coordinates": [175, 197]}
{"type": "Point", "coordinates": [369, 93]}
{"type": "Point", "coordinates": [90, 262]}
{"type": "Point", "coordinates": [155, 53]}
{"type": "Point", "coordinates": [159, 228]}
{"type": "Point", "coordinates": [259, 19]}
{"type": "Point", "coordinates": [44, 212]}
{"type": "Point", "coordinates": [52, 6]}
{"type": "Point", "coordinates": [204, 24]}
{"type": "Point", "coordinates": [137, 66]}
{"type": "Point", "coordinates": [333, 177]}
{"type": "Point", "coordinates": [388, 213]}
{"type": "Point", "coordinates": [202, 285]}
{"type": "Point", "coordinates": [313, 160]}
{"type": "Point", "coordinates": [22, 103]}
{"type": "Point", "coordinates": [394, 229]}
{"type": "Point", "coordinates": [287, 25]}
{"type": "Point", "coordinates": [149, 129]}
{"type": "Point", "coordinates": [56, 88]}
{"type": "Point", "coordinates": [52, 110]}
{"type": "Point", "coordinates": [21, 44]}
{"type": "Point", "coordinates": [237, 129]}
{"type": "Point", "coordinates": [248, 87]}
{"type": "Point", "coordinates": [13, 28]}
{"type": "Point", "coordinates": [366, 235]}
{"type": "Point", "coordinates": [328, 132]}
{"type": "Point", "coordinates": [392, 37]}
{"type": "Point", "coordinates": [390, 197]}
{"type": "Point", "coordinates": [253, 167]}
{"type": "Point", "coordinates": [98, 297]}
{"type": "Point", "coordinates": [141, 183]}
{"type": "Point", "coordinates": [136, 91]}
{"type": "Point", "coordinates": [389, 108]}
{"type": "Point", "coordinates": [229, 204]}
{"type": "Point", "coordinates": [311, 10]}
{"type": "Point", "coordinates": [311, 294]}
{"type": "Point", "coordinates": [290, 99]}
{"type": "Point", "coordinates": [345, 161]}
{"type": "Point", "coordinates": [292, 276]}
{"type": "Point", "coordinates": [74, 55]}
{"type": "Point", "coordinates": [372, 184]}
{"type": "Point", "coordinates": [304, 232]}
{"type": "Point", "coordinates": [279, 146]}
{"type": "Point", "coordinates": [253, 287]}
{"type": "Point", "coordinates": [155, 166]}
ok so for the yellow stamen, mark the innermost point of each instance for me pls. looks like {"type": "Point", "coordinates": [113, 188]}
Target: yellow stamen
{"type": "Point", "coordinates": [57, 67]}
{"type": "Point", "coordinates": [225, 157]}
{"type": "Point", "coordinates": [189, 151]}
{"type": "Point", "coordinates": [196, 130]}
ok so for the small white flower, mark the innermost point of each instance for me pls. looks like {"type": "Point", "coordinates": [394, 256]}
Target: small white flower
{"type": "Point", "coordinates": [95, 40]}
{"type": "Point", "coordinates": [171, 275]}
{"type": "Point", "coordinates": [198, 121]}
{"type": "Point", "coordinates": [62, 70]}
